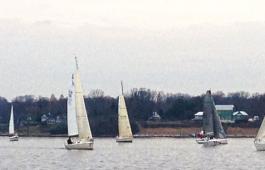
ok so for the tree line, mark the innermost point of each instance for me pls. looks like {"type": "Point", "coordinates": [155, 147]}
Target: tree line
{"type": "Point", "coordinates": [102, 109]}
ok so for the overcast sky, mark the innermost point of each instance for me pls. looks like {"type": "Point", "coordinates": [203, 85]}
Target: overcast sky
{"type": "Point", "coordinates": [175, 46]}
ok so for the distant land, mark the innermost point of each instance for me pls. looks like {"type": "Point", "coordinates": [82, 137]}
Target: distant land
{"type": "Point", "coordinates": [46, 116]}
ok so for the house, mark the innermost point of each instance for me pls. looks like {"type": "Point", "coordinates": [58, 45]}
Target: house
{"type": "Point", "coordinates": [198, 116]}
{"type": "Point", "coordinates": [155, 117]}
{"type": "Point", "coordinates": [256, 118]}
{"type": "Point", "coordinates": [51, 120]}
{"type": "Point", "coordinates": [240, 116]}
{"type": "Point", "coordinates": [60, 119]}
{"type": "Point", "coordinates": [44, 118]}
{"type": "Point", "coordinates": [225, 112]}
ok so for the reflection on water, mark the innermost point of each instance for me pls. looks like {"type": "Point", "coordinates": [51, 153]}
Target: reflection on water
{"type": "Point", "coordinates": [153, 153]}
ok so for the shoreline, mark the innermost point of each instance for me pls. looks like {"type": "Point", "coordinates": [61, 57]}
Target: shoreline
{"type": "Point", "coordinates": [135, 136]}
{"type": "Point", "coordinates": [155, 132]}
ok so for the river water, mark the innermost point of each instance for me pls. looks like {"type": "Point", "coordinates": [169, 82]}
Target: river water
{"type": "Point", "coordinates": [149, 154]}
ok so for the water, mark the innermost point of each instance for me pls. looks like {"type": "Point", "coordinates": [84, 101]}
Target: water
{"type": "Point", "coordinates": [151, 154]}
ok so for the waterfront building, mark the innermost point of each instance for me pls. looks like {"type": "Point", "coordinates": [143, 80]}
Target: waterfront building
{"type": "Point", "coordinates": [240, 116]}
{"type": "Point", "coordinates": [225, 112]}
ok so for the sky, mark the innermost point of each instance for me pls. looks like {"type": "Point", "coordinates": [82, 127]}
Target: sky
{"type": "Point", "coordinates": [171, 45]}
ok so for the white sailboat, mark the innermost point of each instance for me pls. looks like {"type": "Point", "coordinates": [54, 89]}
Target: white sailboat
{"type": "Point", "coordinates": [124, 127]}
{"type": "Point", "coordinates": [12, 134]}
{"type": "Point", "coordinates": [212, 126]}
{"type": "Point", "coordinates": [79, 132]}
{"type": "Point", "coordinates": [260, 138]}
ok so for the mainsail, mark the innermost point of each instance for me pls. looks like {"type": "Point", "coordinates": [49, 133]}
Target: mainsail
{"type": "Point", "coordinates": [212, 125]}
{"type": "Point", "coordinates": [261, 132]}
{"type": "Point", "coordinates": [71, 114]}
{"type": "Point", "coordinates": [11, 122]}
{"type": "Point", "coordinates": [123, 120]}
{"type": "Point", "coordinates": [81, 113]}
{"type": "Point", "coordinates": [207, 114]}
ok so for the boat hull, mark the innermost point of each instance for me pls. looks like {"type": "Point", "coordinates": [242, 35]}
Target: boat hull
{"type": "Point", "coordinates": [120, 139]}
{"type": "Point", "coordinates": [214, 142]}
{"type": "Point", "coordinates": [13, 138]}
{"type": "Point", "coordinates": [79, 145]}
{"type": "Point", "coordinates": [260, 145]}
{"type": "Point", "coordinates": [200, 140]}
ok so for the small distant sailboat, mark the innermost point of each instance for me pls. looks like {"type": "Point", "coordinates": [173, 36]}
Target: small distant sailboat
{"type": "Point", "coordinates": [12, 134]}
{"type": "Point", "coordinates": [79, 132]}
{"type": "Point", "coordinates": [212, 127]}
{"type": "Point", "coordinates": [124, 127]}
{"type": "Point", "coordinates": [260, 138]}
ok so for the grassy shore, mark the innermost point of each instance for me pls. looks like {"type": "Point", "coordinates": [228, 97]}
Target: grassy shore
{"type": "Point", "coordinates": [190, 131]}
{"type": "Point", "coordinates": [179, 132]}
{"type": "Point", "coordinates": [177, 129]}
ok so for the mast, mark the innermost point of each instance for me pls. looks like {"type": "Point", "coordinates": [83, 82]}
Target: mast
{"type": "Point", "coordinates": [11, 122]}
{"type": "Point", "coordinates": [76, 63]}
{"type": "Point", "coordinates": [121, 87]}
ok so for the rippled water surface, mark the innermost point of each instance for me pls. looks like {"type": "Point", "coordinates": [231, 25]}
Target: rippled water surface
{"type": "Point", "coordinates": [152, 153]}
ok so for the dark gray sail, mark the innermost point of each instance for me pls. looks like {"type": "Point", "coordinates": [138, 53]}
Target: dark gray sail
{"type": "Point", "coordinates": [212, 125]}
{"type": "Point", "coordinates": [218, 128]}
{"type": "Point", "coordinates": [208, 127]}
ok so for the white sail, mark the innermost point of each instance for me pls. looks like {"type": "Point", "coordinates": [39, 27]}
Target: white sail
{"type": "Point", "coordinates": [123, 120]}
{"type": "Point", "coordinates": [11, 122]}
{"type": "Point", "coordinates": [71, 114]}
{"type": "Point", "coordinates": [261, 132]}
{"type": "Point", "coordinates": [81, 113]}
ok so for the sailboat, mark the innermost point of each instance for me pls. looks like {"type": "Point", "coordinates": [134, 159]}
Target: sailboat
{"type": "Point", "coordinates": [212, 126]}
{"type": "Point", "coordinates": [260, 138]}
{"type": "Point", "coordinates": [124, 127]}
{"type": "Point", "coordinates": [79, 132]}
{"type": "Point", "coordinates": [12, 134]}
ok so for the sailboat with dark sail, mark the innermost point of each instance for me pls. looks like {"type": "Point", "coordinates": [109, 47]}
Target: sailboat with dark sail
{"type": "Point", "coordinates": [213, 131]}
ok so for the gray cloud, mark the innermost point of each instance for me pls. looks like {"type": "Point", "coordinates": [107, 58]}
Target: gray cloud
{"type": "Point", "coordinates": [37, 58]}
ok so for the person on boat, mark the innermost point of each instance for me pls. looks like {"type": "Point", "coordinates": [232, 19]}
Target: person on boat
{"type": "Point", "coordinates": [200, 135]}
{"type": "Point", "coordinates": [69, 141]}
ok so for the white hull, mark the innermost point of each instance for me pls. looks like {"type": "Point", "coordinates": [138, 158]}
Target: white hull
{"type": "Point", "coordinates": [214, 142]}
{"type": "Point", "coordinates": [121, 139]}
{"type": "Point", "coordinates": [200, 140]}
{"type": "Point", "coordinates": [260, 145]}
{"type": "Point", "coordinates": [13, 138]}
{"type": "Point", "coordinates": [79, 145]}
